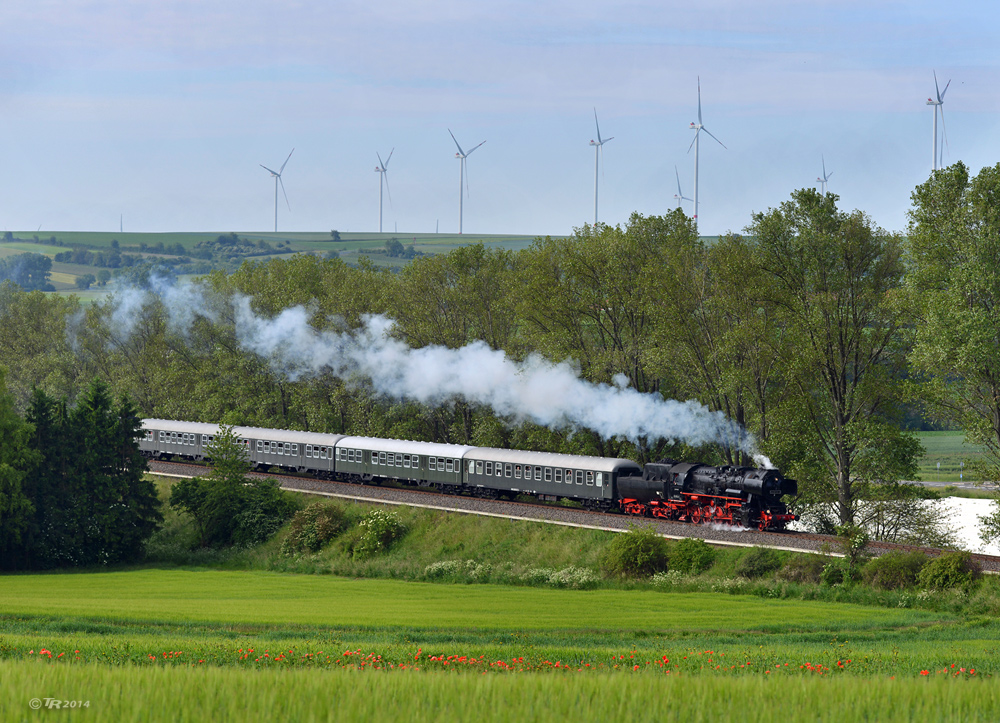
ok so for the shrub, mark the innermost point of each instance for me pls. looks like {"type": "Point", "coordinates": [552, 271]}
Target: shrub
{"type": "Point", "coordinates": [836, 571]}
{"type": "Point", "coordinates": [691, 556]}
{"type": "Point", "coordinates": [637, 553]}
{"type": "Point", "coordinates": [894, 570]}
{"type": "Point", "coordinates": [760, 561]}
{"type": "Point", "coordinates": [266, 507]}
{"type": "Point", "coordinates": [313, 527]}
{"type": "Point", "coordinates": [803, 568]}
{"type": "Point", "coordinates": [379, 529]}
{"type": "Point", "coordinates": [671, 578]}
{"type": "Point", "coordinates": [952, 569]}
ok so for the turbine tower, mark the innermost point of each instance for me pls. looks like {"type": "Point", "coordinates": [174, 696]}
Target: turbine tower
{"type": "Point", "coordinates": [382, 169]}
{"type": "Point", "coordinates": [822, 180]}
{"type": "Point", "coordinates": [938, 102]}
{"type": "Point", "coordinates": [598, 153]}
{"type": "Point", "coordinates": [277, 180]}
{"type": "Point", "coordinates": [698, 128]}
{"type": "Point", "coordinates": [461, 155]}
{"type": "Point", "coordinates": [680, 194]}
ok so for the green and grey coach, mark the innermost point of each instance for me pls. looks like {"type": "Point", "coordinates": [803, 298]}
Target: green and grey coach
{"type": "Point", "coordinates": [428, 464]}
{"type": "Point", "coordinates": [591, 480]}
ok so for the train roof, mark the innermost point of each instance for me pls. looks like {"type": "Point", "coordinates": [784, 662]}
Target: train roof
{"type": "Point", "coordinates": [274, 435]}
{"type": "Point", "coordinates": [406, 446]}
{"type": "Point", "coordinates": [552, 459]}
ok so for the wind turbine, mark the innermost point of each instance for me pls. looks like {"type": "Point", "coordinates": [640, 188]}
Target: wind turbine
{"type": "Point", "coordinates": [598, 152]}
{"type": "Point", "coordinates": [822, 180]}
{"type": "Point", "coordinates": [680, 194]}
{"type": "Point", "coordinates": [698, 128]}
{"type": "Point", "coordinates": [461, 155]}
{"type": "Point", "coordinates": [277, 180]}
{"type": "Point", "coordinates": [938, 102]}
{"type": "Point", "coordinates": [383, 169]}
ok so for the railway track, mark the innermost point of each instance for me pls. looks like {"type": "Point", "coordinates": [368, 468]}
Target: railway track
{"type": "Point", "coordinates": [715, 534]}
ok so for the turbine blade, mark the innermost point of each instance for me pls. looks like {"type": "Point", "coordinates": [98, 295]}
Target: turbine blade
{"type": "Point", "coordinates": [381, 165]}
{"type": "Point", "coordinates": [467, 194]}
{"type": "Point", "coordinates": [286, 161]}
{"type": "Point", "coordinates": [385, 175]}
{"type": "Point", "coordinates": [941, 97]}
{"type": "Point", "coordinates": [694, 139]}
{"type": "Point", "coordinates": [699, 100]}
{"type": "Point", "coordinates": [473, 148]}
{"type": "Point", "coordinates": [282, 184]}
{"type": "Point", "coordinates": [599, 141]}
{"type": "Point", "coordinates": [937, 91]}
{"type": "Point", "coordinates": [824, 165]}
{"type": "Point", "coordinates": [267, 169]}
{"type": "Point", "coordinates": [386, 165]}
{"type": "Point", "coordinates": [680, 193]}
{"type": "Point", "coordinates": [463, 153]}
{"type": "Point", "coordinates": [607, 139]}
{"type": "Point", "coordinates": [716, 139]}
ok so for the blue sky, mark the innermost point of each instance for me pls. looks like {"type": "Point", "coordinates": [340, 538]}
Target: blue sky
{"type": "Point", "coordinates": [162, 111]}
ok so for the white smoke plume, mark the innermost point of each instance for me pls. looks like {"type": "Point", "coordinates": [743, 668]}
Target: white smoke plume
{"type": "Point", "coordinates": [536, 390]}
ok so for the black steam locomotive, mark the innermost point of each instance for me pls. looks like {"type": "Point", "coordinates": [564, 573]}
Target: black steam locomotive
{"type": "Point", "coordinates": [701, 493]}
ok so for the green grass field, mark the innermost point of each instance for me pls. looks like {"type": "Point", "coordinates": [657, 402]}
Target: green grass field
{"type": "Point", "coordinates": [261, 598]}
{"type": "Point", "coordinates": [949, 450]}
{"type": "Point", "coordinates": [174, 644]}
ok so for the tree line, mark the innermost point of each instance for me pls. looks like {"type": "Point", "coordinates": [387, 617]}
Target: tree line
{"type": "Point", "coordinates": [815, 329]}
{"type": "Point", "coordinates": [72, 491]}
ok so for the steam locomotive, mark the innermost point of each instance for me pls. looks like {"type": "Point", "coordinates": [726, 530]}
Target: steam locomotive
{"type": "Point", "coordinates": [668, 489]}
{"type": "Point", "coordinates": [701, 493]}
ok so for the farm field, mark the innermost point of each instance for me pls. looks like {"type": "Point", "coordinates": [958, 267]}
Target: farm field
{"type": "Point", "coordinates": [950, 450]}
{"type": "Point", "coordinates": [185, 644]}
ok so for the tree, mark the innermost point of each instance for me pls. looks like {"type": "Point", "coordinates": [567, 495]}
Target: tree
{"type": "Point", "coordinates": [835, 279]}
{"type": "Point", "coordinates": [229, 507]}
{"type": "Point", "coordinates": [86, 281]}
{"type": "Point", "coordinates": [16, 459]}
{"type": "Point", "coordinates": [394, 248]}
{"type": "Point", "coordinates": [335, 235]}
{"type": "Point", "coordinates": [954, 283]}
{"type": "Point", "coordinates": [29, 271]}
{"type": "Point", "coordinates": [93, 504]}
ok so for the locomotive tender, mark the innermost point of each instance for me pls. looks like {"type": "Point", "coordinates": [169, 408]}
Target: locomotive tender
{"type": "Point", "coordinates": [681, 491]}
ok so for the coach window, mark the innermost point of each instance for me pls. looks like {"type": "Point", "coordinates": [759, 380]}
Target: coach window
{"type": "Point", "coordinates": [517, 471]}
{"type": "Point", "coordinates": [590, 477]}
{"type": "Point", "coordinates": [309, 450]}
{"type": "Point", "coordinates": [450, 465]}
{"type": "Point", "coordinates": [479, 467]}
{"type": "Point", "coordinates": [548, 474]}
{"type": "Point", "coordinates": [295, 449]}
{"type": "Point", "coordinates": [350, 455]}
{"type": "Point", "coordinates": [579, 476]}
{"type": "Point", "coordinates": [559, 475]}
{"type": "Point", "coordinates": [489, 469]}
{"type": "Point", "coordinates": [406, 461]}
{"type": "Point", "coordinates": [538, 473]}
{"type": "Point", "coordinates": [381, 458]}
{"type": "Point", "coordinates": [432, 463]}
{"type": "Point", "coordinates": [600, 479]}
